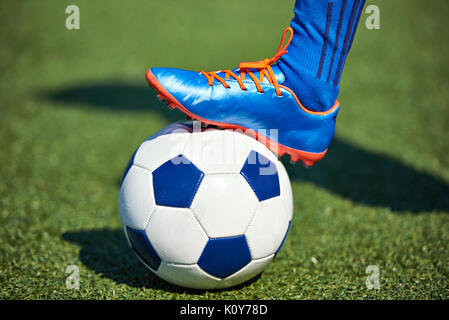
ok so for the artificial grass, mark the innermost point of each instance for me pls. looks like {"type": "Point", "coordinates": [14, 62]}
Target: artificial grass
{"type": "Point", "coordinates": [74, 105]}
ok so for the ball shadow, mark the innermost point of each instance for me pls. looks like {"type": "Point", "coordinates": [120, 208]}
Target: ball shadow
{"type": "Point", "coordinates": [107, 253]}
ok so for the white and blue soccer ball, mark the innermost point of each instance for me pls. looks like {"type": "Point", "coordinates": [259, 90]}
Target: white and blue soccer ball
{"type": "Point", "coordinates": [206, 209]}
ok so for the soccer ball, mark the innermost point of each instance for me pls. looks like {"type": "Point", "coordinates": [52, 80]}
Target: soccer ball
{"type": "Point", "coordinates": [207, 209]}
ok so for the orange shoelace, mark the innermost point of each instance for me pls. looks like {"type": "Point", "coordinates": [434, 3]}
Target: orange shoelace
{"type": "Point", "coordinates": [264, 67]}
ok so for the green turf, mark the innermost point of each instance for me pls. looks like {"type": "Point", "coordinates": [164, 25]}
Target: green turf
{"type": "Point", "coordinates": [75, 104]}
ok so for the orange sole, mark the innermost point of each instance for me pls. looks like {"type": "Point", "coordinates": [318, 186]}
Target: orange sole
{"type": "Point", "coordinates": [307, 158]}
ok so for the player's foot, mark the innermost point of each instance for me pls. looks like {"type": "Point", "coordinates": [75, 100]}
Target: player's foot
{"type": "Point", "coordinates": [251, 98]}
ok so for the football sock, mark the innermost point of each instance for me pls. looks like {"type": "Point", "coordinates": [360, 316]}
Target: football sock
{"type": "Point", "coordinates": [323, 34]}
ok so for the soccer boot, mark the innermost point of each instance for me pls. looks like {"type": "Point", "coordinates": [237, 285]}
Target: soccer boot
{"type": "Point", "coordinates": [251, 98]}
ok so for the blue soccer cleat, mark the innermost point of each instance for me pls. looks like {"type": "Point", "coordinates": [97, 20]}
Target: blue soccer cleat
{"type": "Point", "coordinates": [253, 99]}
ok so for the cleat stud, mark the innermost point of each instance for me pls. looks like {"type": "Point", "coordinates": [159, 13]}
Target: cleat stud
{"type": "Point", "coordinates": [307, 163]}
{"type": "Point", "coordinates": [293, 157]}
{"type": "Point", "coordinates": [162, 98]}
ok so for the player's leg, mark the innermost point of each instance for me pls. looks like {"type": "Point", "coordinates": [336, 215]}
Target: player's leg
{"type": "Point", "coordinates": [290, 99]}
{"type": "Point", "coordinates": [323, 35]}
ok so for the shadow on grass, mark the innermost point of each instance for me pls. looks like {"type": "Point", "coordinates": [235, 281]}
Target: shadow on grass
{"type": "Point", "coordinates": [106, 252]}
{"type": "Point", "coordinates": [112, 96]}
{"type": "Point", "coordinates": [360, 175]}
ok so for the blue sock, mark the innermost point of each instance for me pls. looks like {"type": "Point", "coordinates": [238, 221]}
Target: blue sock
{"type": "Point", "coordinates": [323, 35]}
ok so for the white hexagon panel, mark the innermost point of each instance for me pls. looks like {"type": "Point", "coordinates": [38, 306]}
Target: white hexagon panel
{"type": "Point", "coordinates": [190, 276]}
{"type": "Point", "coordinates": [286, 190]}
{"type": "Point", "coordinates": [136, 197]}
{"type": "Point", "coordinates": [224, 205]}
{"type": "Point", "coordinates": [268, 228]}
{"type": "Point", "coordinates": [176, 235]}
{"type": "Point", "coordinates": [167, 146]}
{"type": "Point", "coordinates": [217, 151]}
